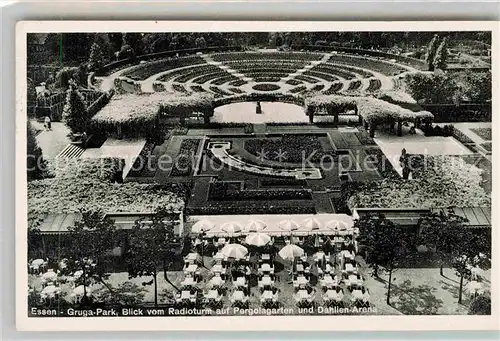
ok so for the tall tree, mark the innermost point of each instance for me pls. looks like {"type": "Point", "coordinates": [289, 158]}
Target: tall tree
{"type": "Point", "coordinates": [441, 56]}
{"type": "Point", "coordinates": [431, 52]}
{"type": "Point", "coordinates": [481, 305]}
{"type": "Point", "coordinates": [200, 43]}
{"type": "Point", "coordinates": [474, 250]}
{"type": "Point", "coordinates": [90, 241]}
{"type": "Point", "coordinates": [438, 231]}
{"type": "Point", "coordinates": [96, 58]}
{"type": "Point", "coordinates": [34, 157]}
{"type": "Point", "coordinates": [116, 41]}
{"type": "Point", "coordinates": [75, 113]}
{"type": "Point", "coordinates": [134, 40]}
{"type": "Point", "coordinates": [151, 247]}
{"type": "Point", "coordinates": [385, 244]}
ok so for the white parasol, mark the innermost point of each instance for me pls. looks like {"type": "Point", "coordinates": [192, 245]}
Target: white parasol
{"type": "Point", "coordinates": [311, 224]}
{"type": "Point", "coordinates": [258, 239]}
{"type": "Point", "coordinates": [288, 225]}
{"type": "Point", "coordinates": [232, 227]}
{"type": "Point", "coordinates": [236, 251]}
{"type": "Point", "coordinates": [255, 226]}
{"type": "Point", "coordinates": [290, 252]}
{"type": "Point", "coordinates": [202, 226]}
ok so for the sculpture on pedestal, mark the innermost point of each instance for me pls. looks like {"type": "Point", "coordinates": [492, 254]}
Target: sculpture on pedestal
{"type": "Point", "coordinates": [404, 161]}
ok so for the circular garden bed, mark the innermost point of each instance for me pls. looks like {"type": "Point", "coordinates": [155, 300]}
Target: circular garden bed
{"type": "Point", "coordinates": [266, 87]}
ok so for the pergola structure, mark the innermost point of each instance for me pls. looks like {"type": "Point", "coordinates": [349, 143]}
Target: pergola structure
{"type": "Point", "coordinates": [371, 111]}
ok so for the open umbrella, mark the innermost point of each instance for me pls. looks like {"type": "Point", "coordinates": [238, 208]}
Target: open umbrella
{"type": "Point", "coordinates": [255, 226]}
{"type": "Point", "coordinates": [290, 252]}
{"type": "Point", "coordinates": [288, 225]}
{"type": "Point", "coordinates": [236, 251]}
{"type": "Point", "coordinates": [336, 225]}
{"type": "Point", "coordinates": [232, 228]}
{"type": "Point", "coordinates": [202, 226]}
{"type": "Point", "coordinates": [474, 287]}
{"type": "Point", "coordinates": [310, 224]}
{"type": "Point", "coordinates": [258, 239]}
{"type": "Point", "coordinates": [50, 291]}
{"type": "Point", "coordinates": [49, 276]}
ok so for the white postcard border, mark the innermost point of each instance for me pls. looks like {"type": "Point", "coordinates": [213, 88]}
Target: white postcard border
{"type": "Point", "coordinates": [234, 323]}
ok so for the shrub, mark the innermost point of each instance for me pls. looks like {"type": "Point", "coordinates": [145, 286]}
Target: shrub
{"type": "Point", "coordinates": [84, 184]}
{"type": "Point", "coordinates": [249, 207]}
{"type": "Point", "coordinates": [220, 191]}
{"type": "Point", "coordinates": [460, 136]}
{"type": "Point", "coordinates": [430, 130]}
{"type": "Point", "coordinates": [481, 305]}
{"type": "Point", "coordinates": [298, 89]}
{"type": "Point", "coordinates": [249, 129]}
{"type": "Point", "coordinates": [266, 87]}
{"type": "Point", "coordinates": [484, 133]}
{"type": "Point", "coordinates": [282, 182]}
{"type": "Point", "coordinates": [34, 160]}
{"type": "Point", "coordinates": [293, 82]}
{"type": "Point", "coordinates": [444, 181]}
{"type": "Point", "coordinates": [487, 146]}
{"type": "Point", "coordinates": [66, 74]}
{"type": "Point", "coordinates": [184, 161]}
{"type": "Point", "coordinates": [75, 113]}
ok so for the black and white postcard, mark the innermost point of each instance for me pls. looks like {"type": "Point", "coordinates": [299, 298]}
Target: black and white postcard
{"type": "Point", "coordinates": [256, 175]}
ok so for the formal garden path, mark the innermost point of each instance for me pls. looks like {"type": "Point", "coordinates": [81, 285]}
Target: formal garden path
{"type": "Point", "coordinates": [52, 142]}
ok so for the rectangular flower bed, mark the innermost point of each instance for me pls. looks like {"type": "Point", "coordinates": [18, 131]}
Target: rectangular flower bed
{"type": "Point", "coordinates": [184, 161]}
{"type": "Point", "coordinates": [484, 133]}
{"type": "Point", "coordinates": [289, 148]}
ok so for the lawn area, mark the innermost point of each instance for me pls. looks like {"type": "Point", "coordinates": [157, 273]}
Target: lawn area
{"type": "Point", "coordinates": [485, 133]}
{"type": "Point", "coordinates": [290, 148]}
{"type": "Point", "coordinates": [420, 292]}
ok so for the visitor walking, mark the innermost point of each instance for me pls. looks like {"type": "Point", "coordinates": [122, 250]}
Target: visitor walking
{"type": "Point", "coordinates": [47, 123]}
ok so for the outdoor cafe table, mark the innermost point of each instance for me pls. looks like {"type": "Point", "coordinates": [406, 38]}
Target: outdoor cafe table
{"type": "Point", "coordinates": [213, 295]}
{"type": "Point", "coordinates": [300, 268]}
{"type": "Point", "coordinates": [217, 281]}
{"type": "Point", "coordinates": [319, 256]}
{"type": "Point", "coordinates": [329, 268]}
{"type": "Point", "coordinates": [191, 257]}
{"type": "Point", "coordinates": [191, 268]}
{"type": "Point", "coordinates": [217, 268]}
{"type": "Point", "coordinates": [267, 295]}
{"type": "Point", "coordinates": [357, 294]}
{"type": "Point", "coordinates": [240, 282]}
{"type": "Point", "coordinates": [333, 295]}
{"type": "Point", "coordinates": [347, 254]}
{"type": "Point", "coordinates": [266, 268]}
{"type": "Point", "coordinates": [265, 256]}
{"type": "Point", "coordinates": [301, 281]}
{"type": "Point", "coordinates": [349, 267]}
{"type": "Point", "coordinates": [303, 295]}
{"type": "Point", "coordinates": [353, 279]}
{"type": "Point", "coordinates": [328, 281]}
{"type": "Point", "coordinates": [185, 295]}
{"type": "Point", "coordinates": [238, 295]}
{"type": "Point", "coordinates": [266, 281]}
